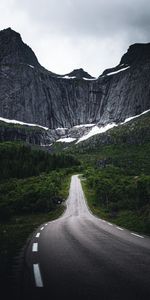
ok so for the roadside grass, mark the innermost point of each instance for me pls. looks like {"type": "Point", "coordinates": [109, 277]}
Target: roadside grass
{"type": "Point", "coordinates": [131, 220]}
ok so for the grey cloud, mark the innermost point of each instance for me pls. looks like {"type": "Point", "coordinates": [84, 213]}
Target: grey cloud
{"type": "Point", "coordinates": [89, 17]}
{"type": "Point", "coordinates": [67, 34]}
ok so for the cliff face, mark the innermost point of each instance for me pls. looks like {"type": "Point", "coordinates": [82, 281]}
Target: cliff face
{"type": "Point", "coordinates": [32, 135]}
{"type": "Point", "coordinates": [32, 94]}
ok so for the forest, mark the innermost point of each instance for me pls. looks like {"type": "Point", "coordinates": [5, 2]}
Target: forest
{"type": "Point", "coordinates": [31, 179]}
{"type": "Point", "coordinates": [117, 185]}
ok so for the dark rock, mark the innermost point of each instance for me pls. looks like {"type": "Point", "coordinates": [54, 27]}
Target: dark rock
{"type": "Point", "coordinates": [136, 54]}
{"type": "Point", "coordinates": [13, 50]}
{"type": "Point", "coordinates": [32, 94]}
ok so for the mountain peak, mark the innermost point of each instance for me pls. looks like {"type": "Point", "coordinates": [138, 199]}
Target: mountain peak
{"type": "Point", "coordinates": [136, 53]}
{"type": "Point", "coordinates": [14, 50]}
{"type": "Point", "coordinates": [79, 73]}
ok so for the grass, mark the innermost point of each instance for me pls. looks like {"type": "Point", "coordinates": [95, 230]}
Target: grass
{"type": "Point", "coordinates": [126, 218]}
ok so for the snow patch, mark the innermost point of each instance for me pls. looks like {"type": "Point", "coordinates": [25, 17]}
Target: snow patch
{"type": "Point", "coordinates": [31, 66]}
{"type": "Point", "coordinates": [67, 77]}
{"type": "Point", "coordinates": [134, 117]}
{"type": "Point", "coordinates": [83, 125]}
{"type": "Point", "coordinates": [21, 123]}
{"type": "Point", "coordinates": [115, 72]}
{"type": "Point", "coordinates": [66, 140]}
{"type": "Point", "coordinates": [61, 128]}
{"type": "Point", "coordinates": [89, 78]}
{"type": "Point", "coordinates": [96, 130]}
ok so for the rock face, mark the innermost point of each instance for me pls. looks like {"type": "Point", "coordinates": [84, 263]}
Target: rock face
{"type": "Point", "coordinates": [30, 93]}
{"type": "Point", "coordinates": [32, 135]}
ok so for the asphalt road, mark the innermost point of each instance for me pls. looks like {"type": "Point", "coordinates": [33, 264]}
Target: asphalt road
{"type": "Point", "coordinates": [79, 256]}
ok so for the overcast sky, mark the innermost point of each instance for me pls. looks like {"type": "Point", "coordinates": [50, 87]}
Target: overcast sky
{"type": "Point", "coordinates": [69, 34]}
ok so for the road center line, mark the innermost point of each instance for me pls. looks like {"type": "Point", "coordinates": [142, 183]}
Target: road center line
{"type": "Point", "coordinates": [140, 236]}
{"type": "Point", "coordinates": [119, 228]}
{"type": "Point", "coordinates": [37, 276]}
{"type": "Point", "coordinates": [35, 247]}
{"type": "Point", "coordinates": [42, 228]}
{"type": "Point", "coordinates": [38, 234]}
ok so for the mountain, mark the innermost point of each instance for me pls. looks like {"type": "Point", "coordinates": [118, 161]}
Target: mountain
{"type": "Point", "coordinates": [14, 51]}
{"type": "Point", "coordinates": [78, 73]}
{"type": "Point", "coordinates": [32, 94]}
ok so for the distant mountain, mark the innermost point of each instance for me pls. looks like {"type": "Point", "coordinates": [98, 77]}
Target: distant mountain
{"type": "Point", "coordinates": [80, 74]}
{"type": "Point", "coordinates": [14, 51]}
{"type": "Point", "coordinates": [30, 93]}
{"type": "Point", "coordinates": [137, 54]}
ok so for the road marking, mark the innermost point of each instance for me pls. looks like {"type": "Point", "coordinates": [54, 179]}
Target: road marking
{"type": "Point", "coordinates": [35, 247]}
{"type": "Point", "coordinates": [42, 228]}
{"type": "Point", "coordinates": [38, 234]}
{"type": "Point", "coordinates": [140, 236]}
{"type": "Point", "coordinates": [119, 228]}
{"type": "Point", "coordinates": [37, 276]}
{"type": "Point", "coordinates": [46, 224]}
{"type": "Point", "coordinates": [109, 224]}
{"type": "Point", "coordinates": [104, 221]}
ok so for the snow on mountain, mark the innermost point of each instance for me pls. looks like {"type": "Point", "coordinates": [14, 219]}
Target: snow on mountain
{"type": "Point", "coordinates": [67, 77]}
{"type": "Point", "coordinates": [89, 78]}
{"type": "Point", "coordinates": [21, 123]}
{"type": "Point", "coordinates": [66, 140]}
{"type": "Point", "coordinates": [76, 133]}
{"type": "Point", "coordinates": [84, 125]}
{"type": "Point", "coordinates": [31, 66]}
{"type": "Point", "coordinates": [118, 71]}
{"type": "Point", "coordinates": [134, 117]}
{"type": "Point", "coordinates": [97, 130]}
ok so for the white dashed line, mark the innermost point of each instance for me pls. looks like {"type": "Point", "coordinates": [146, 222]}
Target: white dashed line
{"type": "Point", "coordinates": [35, 247]}
{"type": "Point", "coordinates": [140, 236]}
{"type": "Point", "coordinates": [109, 224]}
{"type": "Point", "coordinates": [37, 276]}
{"type": "Point", "coordinates": [104, 221]}
{"type": "Point", "coordinates": [42, 228]}
{"type": "Point", "coordinates": [46, 224]}
{"type": "Point", "coordinates": [119, 228]}
{"type": "Point", "coordinates": [37, 235]}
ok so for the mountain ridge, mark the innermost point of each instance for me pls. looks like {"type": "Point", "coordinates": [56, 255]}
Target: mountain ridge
{"type": "Point", "coordinates": [32, 94]}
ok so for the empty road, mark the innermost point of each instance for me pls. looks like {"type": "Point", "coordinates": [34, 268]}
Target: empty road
{"type": "Point", "coordinates": [80, 256]}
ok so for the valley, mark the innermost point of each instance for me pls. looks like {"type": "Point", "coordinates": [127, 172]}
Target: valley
{"type": "Point", "coordinates": [53, 127]}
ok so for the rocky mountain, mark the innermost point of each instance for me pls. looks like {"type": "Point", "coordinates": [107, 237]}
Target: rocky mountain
{"type": "Point", "coordinates": [30, 93]}
{"type": "Point", "coordinates": [78, 73]}
{"type": "Point", "coordinates": [37, 135]}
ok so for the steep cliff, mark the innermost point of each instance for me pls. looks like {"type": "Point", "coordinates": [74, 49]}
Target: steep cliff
{"type": "Point", "coordinates": [30, 93]}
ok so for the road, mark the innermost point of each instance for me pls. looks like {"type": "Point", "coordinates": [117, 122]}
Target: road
{"type": "Point", "coordinates": [80, 256]}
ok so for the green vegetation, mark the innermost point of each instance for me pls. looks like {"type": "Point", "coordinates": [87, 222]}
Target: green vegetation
{"type": "Point", "coordinates": [118, 185]}
{"type": "Point", "coordinates": [31, 195]}
{"type": "Point", "coordinates": [18, 160]}
{"type": "Point", "coordinates": [14, 126]}
{"type": "Point", "coordinates": [31, 181]}
{"type": "Point", "coordinates": [122, 199]}
{"type": "Point", "coordinates": [116, 166]}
